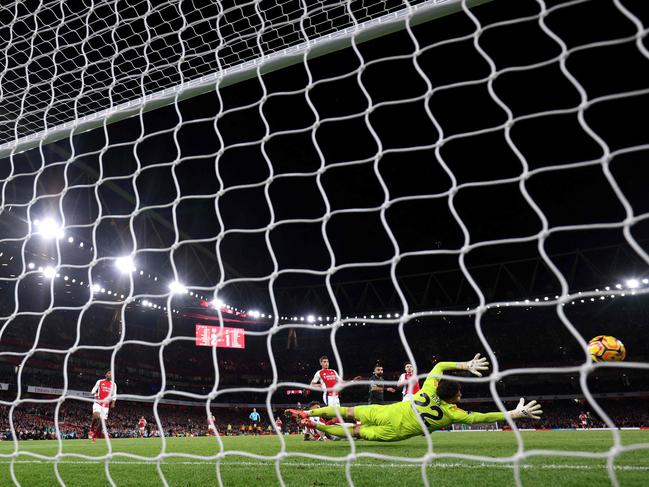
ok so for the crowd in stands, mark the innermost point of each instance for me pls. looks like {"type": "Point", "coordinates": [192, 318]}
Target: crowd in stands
{"type": "Point", "coordinates": [256, 375]}
{"type": "Point", "coordinates": [565, 413]}
{"type": "Point", "coordinates": [34, 421]}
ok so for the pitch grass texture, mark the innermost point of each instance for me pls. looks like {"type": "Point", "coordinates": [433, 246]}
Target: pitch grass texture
{"type": "Point", "coordinates": [236, 469]}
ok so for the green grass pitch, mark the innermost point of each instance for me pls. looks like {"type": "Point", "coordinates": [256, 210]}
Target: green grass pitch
{"type": "Point", "coordinates": [315, 463]}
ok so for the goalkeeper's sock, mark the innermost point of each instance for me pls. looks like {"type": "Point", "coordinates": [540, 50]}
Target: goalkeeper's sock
{"type": "Point", "coordinates": [329, 412]}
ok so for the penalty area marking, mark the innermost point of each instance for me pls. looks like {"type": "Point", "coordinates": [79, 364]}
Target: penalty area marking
{"type": "Point", "coordinates": [550, 466]}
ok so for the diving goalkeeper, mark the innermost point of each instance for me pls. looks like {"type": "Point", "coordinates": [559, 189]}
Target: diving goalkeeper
{"type": "Point", "coordinates": [435, 403]}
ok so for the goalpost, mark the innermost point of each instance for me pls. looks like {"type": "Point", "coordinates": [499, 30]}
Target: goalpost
{"type": "Point", "coordinates": [123, 123]}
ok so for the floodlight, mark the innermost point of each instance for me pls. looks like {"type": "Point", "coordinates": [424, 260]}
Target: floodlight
{"type": "Point", "coordinates": [49, 228]}
{"type": "Point", "coordinates": [125, 264]}
{"type": "Point", "coordinates": [177, 288]}
{"type": "Point", "coordinates": [49, 272]}
{"type": "Point", "coordinates": [632, 283]}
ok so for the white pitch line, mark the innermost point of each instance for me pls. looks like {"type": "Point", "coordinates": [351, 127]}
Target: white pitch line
{"type": "Point", "coordinates": [551, 466]}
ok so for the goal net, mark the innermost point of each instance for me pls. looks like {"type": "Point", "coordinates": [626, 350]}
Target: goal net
{"type": "Point", "coordinates": [204, 197]}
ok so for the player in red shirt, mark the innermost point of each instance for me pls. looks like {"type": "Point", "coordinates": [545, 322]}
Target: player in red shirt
{"type": "Point", "coordinates": [584, 420]}
{"type": "Point", "coordinates": [105, 390]}
{"type": "Point", "coordinates": [328, 378]}
{"type": "Point", "coordinates": [310, 433]}
{"type": "Point", "coordinates": [409, 388]}
{"type": "Point", "coordinates": [278, 425]}
{"type": "Point", "coordinates": [141, 424]}
{"type": "Point", "coordinates": [211, 425]}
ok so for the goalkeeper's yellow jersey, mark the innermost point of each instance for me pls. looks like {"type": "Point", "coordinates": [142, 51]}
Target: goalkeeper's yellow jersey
{"type": "Point", "coordinates": [399, 421]}
{"type": "Point", "coordinates": [436, 413]}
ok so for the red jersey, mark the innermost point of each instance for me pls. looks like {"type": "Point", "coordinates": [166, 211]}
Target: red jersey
{"type": "Point", "coordinates": [409, 388]}
{"type": "Point", "coordinates": [583, 418]}
{"type": "Point", "coordinates": [328, 378]}
{"type": "Point", "coordinates": [142, 423]}
{"type": "Point", "coordinates": [102, 390]}
{"type": "Point", "coordinates": [315, 433]}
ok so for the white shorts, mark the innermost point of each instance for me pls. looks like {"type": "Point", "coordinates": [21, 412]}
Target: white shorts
{"type": "Point", "coordinates": [331, 400]}
{"type": "Point", "coordinates": [102, 410]}
{"type": "Point", "coordinates": [314, 433]}
{"type": "Point", "coordinates": [407, 398]}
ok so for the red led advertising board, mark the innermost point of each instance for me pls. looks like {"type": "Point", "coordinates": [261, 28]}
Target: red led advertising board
{"type": "Point", "coordinates": [209, 336]}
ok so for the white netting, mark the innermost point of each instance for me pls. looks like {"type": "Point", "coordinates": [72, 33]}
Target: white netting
{"type": "Point", "coordinates": [66, 60]}
{"type": "Point", "coordinates": [282, 174]}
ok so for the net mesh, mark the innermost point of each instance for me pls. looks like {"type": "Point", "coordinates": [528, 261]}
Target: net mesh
{"type": "Point", "coordinates": [386, 157]}
{"type": "Point", "coordinates": [67, 60]}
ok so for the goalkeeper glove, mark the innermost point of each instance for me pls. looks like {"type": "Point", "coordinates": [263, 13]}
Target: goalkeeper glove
{"type": "Point", "coordinates": [475, 365]}
{"type": "Point", "coordinates": [530, 410]}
